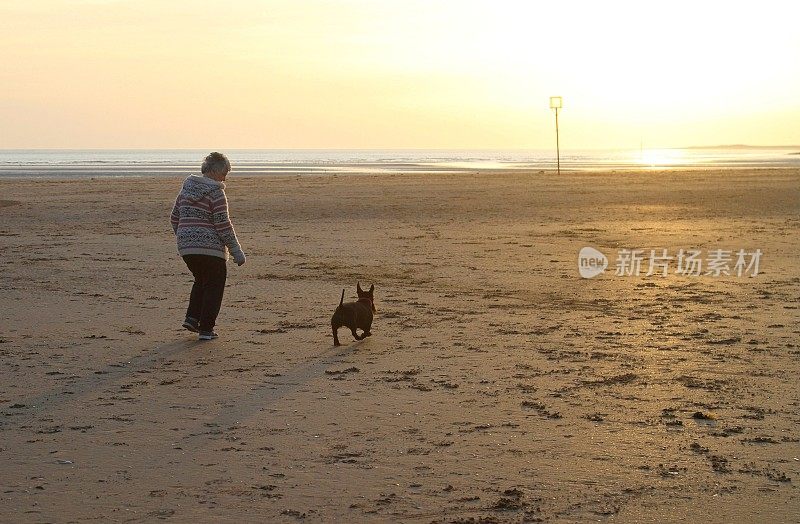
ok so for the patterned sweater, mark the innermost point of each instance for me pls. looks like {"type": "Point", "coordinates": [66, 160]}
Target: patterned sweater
{"type": "Point", "coordinates": [200, 220]}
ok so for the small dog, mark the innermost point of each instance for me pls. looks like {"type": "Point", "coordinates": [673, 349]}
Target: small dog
{"type": "Point", "coordinates": [355, 315]}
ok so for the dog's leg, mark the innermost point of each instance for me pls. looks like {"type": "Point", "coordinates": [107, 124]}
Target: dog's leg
{"type": "Point", "coordinates": [335, 336]}
{"type": "Point", "coordinates": [354, 325]}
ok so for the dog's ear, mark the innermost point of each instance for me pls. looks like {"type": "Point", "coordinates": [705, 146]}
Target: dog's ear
{"type": "Point", "coordinates": [358, 288]}
{"type": "Point", "coordinates": [371, 288]}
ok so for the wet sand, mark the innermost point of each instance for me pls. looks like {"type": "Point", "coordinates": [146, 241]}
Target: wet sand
{"type": "Point", "coordinates": [499, 386]}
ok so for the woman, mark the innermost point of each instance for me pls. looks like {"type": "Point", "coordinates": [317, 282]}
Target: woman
{"type": "Point", "coordinates": [205, 236]}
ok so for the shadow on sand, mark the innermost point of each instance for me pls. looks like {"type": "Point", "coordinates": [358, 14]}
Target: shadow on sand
{"type": "Point", "coordinates": [80, 386]}
{"type": "Point", "coordinates": [236, 409]}
{"type": "Point", "coordinates": [260, 397]}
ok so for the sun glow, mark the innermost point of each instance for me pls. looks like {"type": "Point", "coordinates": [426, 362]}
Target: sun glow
{"type": "Point", "coordinates": [662, 157]}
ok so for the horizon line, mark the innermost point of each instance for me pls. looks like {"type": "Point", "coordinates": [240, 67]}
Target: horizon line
{"type": "Point", "coordinates": [721, 146]}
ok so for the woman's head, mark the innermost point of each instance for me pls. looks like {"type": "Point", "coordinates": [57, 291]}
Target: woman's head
{"type": "Point", "coordinates": [216, 166]}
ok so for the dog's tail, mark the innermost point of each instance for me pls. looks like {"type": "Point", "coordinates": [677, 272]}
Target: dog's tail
{"type": "Point", "coordinates": [341, 300]}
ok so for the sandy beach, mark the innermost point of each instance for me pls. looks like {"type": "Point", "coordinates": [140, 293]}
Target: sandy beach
{"type": "Point", "coordinates": [498, 385]}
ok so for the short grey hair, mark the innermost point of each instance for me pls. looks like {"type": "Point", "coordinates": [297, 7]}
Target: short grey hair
{"type": "Point", "coordinates": [215, 164]}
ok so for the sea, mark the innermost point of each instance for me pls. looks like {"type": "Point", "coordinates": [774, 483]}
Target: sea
{"type": "Point", "coordinates": [48, 163]}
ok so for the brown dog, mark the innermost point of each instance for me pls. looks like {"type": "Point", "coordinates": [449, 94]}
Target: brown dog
{"type": "Point", "coordinates": [354, 315]}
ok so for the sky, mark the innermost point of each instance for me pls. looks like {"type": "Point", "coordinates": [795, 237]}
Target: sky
{"type": "Point", "coordinates": [397, 74]}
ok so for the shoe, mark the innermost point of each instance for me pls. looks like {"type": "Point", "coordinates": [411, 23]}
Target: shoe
{"type": "Point", "coordinates": [208, 335]}
{"type": "Point", "coordinates": [191, 324]}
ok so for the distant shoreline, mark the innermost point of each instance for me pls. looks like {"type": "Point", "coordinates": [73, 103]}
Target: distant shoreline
{"type": "Point", "coordinates": [127, 163]}
{"type": "Point", "coordinates": [740, 146]}
{"type": "Point", "coordinates": [54, 175]}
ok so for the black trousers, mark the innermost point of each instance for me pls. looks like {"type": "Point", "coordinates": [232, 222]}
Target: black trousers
{"type": "Point", "coordinates": [209, 273]}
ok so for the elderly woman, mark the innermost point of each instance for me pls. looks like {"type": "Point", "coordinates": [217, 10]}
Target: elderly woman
{"type": "Point", "coordinates": [205, 236]}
